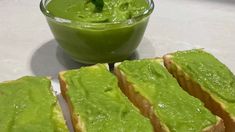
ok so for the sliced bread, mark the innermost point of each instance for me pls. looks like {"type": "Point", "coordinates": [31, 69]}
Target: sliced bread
{"type": "Point", "coordinates": [28, 105]}
{"type": "Point", "coordinates": [97, 103]}
{"type": "Point", "coordinates": [158, 96]}
{"type": "Point", "coordinates": [205, 77]}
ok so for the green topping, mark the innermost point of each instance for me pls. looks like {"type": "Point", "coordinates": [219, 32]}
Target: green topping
{"type": "Point", "coordinates": [97, 11]}
{"type": "Point", "coordinates": [209, 72]}
{"type": "Point", "coordinates": [99, 4]}
{"type": "Point", "coordinates": [174, 107]}
{"type": "Point", "coordinates": [101, 106]}
{"type": "Point", "coordinates": [28, 105]}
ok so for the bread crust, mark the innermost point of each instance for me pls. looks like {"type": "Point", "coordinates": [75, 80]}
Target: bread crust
{"type": "Point", "coordinates": [56, 109]}
{"type": "Point", "coordinates": [77, 124]}
{"type": "Point", "coordinates": [139, 101]}
{"type": "Point", "coordinates": [147, 109]}
{"type": "Point", "coordinates": [194, 89]}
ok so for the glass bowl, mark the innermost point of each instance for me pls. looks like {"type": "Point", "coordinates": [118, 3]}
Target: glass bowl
{"type": "Point", "coordinates": [93, 43]}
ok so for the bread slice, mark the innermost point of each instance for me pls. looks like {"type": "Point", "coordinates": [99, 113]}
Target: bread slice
{"type": "Point", "coordinates": [159, 97]}
{"type": "Point", "coordinates": [28, 104]}
{"type": "Point", "coordinates": [97, 104]}
{"type": "Point", "coordinates": [191, 68]}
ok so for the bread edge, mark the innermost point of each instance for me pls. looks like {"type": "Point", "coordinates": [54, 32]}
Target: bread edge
{"type": "Point", "coordinates": [76, 122]}
{"type": "Point", "coordinates": [139, 101]}
{"type": "Point", "coordinates": [197, 91]}
{"type": "Point", "coordinates": [57, 111]}
{"type": "Point", "coordinates": [78, 125]}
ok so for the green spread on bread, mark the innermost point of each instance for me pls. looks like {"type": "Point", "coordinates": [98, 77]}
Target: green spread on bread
{"type": "Point", "coordinates": [210, 74]}
{"type": "Point", "coordinates": [100, 104]}
{"type": "Point", "coordinates": [28, 105]}
{"type": "Point", "coordinates": [171, 104]}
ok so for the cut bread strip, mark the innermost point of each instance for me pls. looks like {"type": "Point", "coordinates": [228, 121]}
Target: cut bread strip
{"type": "Point", "coordinates": [78, 126]}
{"type": "Point", "coordinates": [28, 104]}
{"type": "Point", "coordinates": [139, 101]}
{"type": "Point", "coordinates": [97, 104]}
{"type": "Point", "coordinates": [138, 92]}
{"type": "Point", "coordinates": [212, 101]}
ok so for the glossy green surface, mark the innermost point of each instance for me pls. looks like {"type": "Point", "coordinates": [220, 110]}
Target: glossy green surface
{"type": "Point", "coordinates": [84, 11]}
{"type": "Point", "coordinates": [28, 105]}
{"type": "Point", "coordinates": [210, 73]}
{"type": "Point", "coordinates": [174, 107]}
{"type": "Point", "coordinates": [99, 45]}
{"type": "Point", "coordinates": [98, 37]}
{"type": "Point", "coordinates": [100, 104]}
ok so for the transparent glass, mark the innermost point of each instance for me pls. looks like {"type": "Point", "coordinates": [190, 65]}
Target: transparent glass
{"type": "Point", "coordinates": [98, 42]}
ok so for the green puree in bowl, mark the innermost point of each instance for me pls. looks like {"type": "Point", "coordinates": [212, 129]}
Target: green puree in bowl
{"type": "Point", "coordinates": [84, 11]}
{"type": "Point", "coordinates": [172, 105]}
{"type": "Point", "coordinates": [100, 104]}
{"type": "Point", "coordinates": [28, 105]}
{"type": "Point", "coordinates": [92, 36]}
{"type": "Point", "coordinates": [210, 73]}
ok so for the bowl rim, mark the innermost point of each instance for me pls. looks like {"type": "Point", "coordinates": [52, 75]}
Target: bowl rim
{"type": "Point", "coordinates": [130, 21]}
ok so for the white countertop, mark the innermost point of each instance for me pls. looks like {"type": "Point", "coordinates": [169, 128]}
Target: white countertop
{"type": "Point", "coordinates": [27, 46]}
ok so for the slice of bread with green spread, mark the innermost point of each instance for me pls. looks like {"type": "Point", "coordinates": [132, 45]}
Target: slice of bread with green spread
{"type": "Point", "coordinates": [205, 77]}
{"type": "Point", "coordinates": [28, 105]}
{"type": "Point", "coordinates": [97, 103]}
{"type": "Point", "coordinates": [158, 96]}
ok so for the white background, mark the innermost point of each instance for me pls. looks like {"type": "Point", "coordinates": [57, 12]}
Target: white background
{"type": "Point", "coordinates": [27, 46]}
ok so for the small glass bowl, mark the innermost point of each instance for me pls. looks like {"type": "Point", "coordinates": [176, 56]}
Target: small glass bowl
{"type": "Point", "coordinates": [98, 42]}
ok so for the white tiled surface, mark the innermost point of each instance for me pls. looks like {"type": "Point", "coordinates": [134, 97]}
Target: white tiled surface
{"type": "Point", "coordinates": [27, 46]}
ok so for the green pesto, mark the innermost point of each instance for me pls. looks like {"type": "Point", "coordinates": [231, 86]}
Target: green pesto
{"type": "Point", "coordinates": [28, 105]}
{"type": "Point", "coordinates": [84, 11]}
{"type": "Point", "coordinates": [100, 104]}
{"type": "Point", "coordinates": [174, 107]}
{"type": "Point", "coordinates": [210, 73]}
